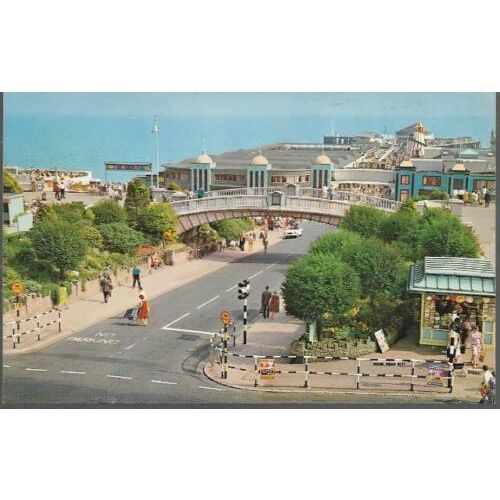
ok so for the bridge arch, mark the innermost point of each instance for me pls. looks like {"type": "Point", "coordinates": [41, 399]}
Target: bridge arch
{"type": "Point", "coordinates": [308, 204]}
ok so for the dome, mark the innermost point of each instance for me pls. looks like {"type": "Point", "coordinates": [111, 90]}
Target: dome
{"type": "Point", "coordinates": [203, 158]}
{"type": "Point", "coordinates": [322, 159]}
{"type": "Point", "coordinates": [406, 163]}
{"type": "Point", "coordinates": [260, 160]}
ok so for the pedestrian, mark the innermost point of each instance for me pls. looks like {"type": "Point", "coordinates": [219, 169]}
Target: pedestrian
{"type": "Point", "coordinates": [250, 244]}
{"type": "Point", "coordinates": [465, 331]}
{"type": "Point", "coordinates": [106, 287]}
{"type": "Point", "coordinates": [242, 243]}
{"type": "Point", "coordinates": [484, 190]}
{"type": "Point", "coordinates": [476, 344]}
{"type": "Point", "coordinates": [453, 349]}
{"type": "Point", "coordinates": [485, 384]}
{"type": "Point", "coordinates": [492, 395]}
{"type": "Point", "coordinates": [265, 242]}
{"type": "Point", "coordinates": [264, 302]}
{"type": "Point", "coordinates": [487, 199]}
{"type": "Point", "coordinates": [136, 275]}
{"type": "Point", "coordinates": [56, 190]}
{"type": "Point", "coordinates": [143, 310]}
{"type": "Point", "coordinates": [62, 190]}
{"type": "Point", "coordinates": [274, 304]}
{"type": "Point", "coordinates": [475, 198]}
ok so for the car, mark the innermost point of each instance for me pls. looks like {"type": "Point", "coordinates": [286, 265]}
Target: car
{"type": "Point", "coordinates": [292, 232]}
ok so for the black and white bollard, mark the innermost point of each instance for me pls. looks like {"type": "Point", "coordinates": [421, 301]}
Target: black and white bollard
{"type": "Point", "coordinates": [245, 304]}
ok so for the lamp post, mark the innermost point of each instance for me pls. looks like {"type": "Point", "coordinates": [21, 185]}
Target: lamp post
{"type": "Point", "coordinates": [155, 130]}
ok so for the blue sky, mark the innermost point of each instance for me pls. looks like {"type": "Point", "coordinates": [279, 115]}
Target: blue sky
{"type": "Point", "coordinates": [253, 104]}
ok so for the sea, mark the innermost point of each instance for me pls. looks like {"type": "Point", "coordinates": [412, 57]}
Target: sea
{"type": "Point", "coordinates": [86, 142]}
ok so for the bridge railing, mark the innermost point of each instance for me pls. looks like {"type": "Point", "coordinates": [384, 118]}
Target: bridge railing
{"type": "Point", "coordinates": [336, 202]}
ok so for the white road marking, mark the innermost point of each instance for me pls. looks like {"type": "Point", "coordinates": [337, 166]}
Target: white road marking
{"type": "Point", "coordinates": [130, 346]}
{"type": "Point", "coordinates": [119, 376]}
{"type": "Point", "coordinates": [146, 338]}
{"type": "Point", "coordinates": [7, 366]}
{"type": "Point", "coordinates": [232, 288]}
{"type": "Point", "coordinates": [271, 265]}
{"type": "Point", "coordinates": [210, 388]}
{"type": "Point", "coordinates": [178, 319]}
{"type": "Point", "coordinates": [73, 373]}
{"type": "Point", "coordinates": [182, 330]}
{"type": "Point", "coordinates": [208, 301]}
{"type": "Point", "coordinates": [36, 370]}
{"type": "Point", "coordinates": [256, 274]}
{"type": "Point", "coordinates": [163, 382]}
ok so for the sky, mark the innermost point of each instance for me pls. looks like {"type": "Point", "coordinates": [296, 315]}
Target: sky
{"type": "Point", "coordinates": [253, 104]}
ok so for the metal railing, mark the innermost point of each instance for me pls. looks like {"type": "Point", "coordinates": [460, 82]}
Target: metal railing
{"type": "Point", "coordinates": [406, 372]}
{"type": "Point", "coordinates": [16, 332]}
{"type": "Point", "coordinates": [305, 199]}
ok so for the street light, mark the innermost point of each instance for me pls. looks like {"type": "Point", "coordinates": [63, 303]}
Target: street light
{"type": "Point", "coordinates": [155, 130]}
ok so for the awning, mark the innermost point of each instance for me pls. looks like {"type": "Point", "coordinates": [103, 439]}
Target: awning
{"type": "Point", "coordinates": [453, 275]}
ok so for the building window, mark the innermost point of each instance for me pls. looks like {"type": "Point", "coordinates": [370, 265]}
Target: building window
{"type": "Point", "coordinates": [405, 179]}
{"type": "Point", "coordinates": [432, 181]}
{"type": "Point", "coordinates": [458, 183]}
{"type": "Point", "coordinates": [306, 178]}
{"type": "Point", "coordinates": [404, 195]}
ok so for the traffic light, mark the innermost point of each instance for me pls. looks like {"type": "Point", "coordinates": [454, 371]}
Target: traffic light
{"type": "Point", "coordinates": [243, 289]}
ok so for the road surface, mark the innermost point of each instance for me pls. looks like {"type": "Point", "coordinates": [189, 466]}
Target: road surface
{"type": "Point", "coordinates": [114, 363]}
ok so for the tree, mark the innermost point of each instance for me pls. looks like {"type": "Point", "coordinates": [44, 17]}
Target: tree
{"type": "Point", "coordinates": [60, 243]}
{"type": "Point", "coordinates": [379, 266]}
{"type": "Point", "coordinates": [120, 238]}
{"type": "Point", "coordinates": [402, 228]}
{"type": "Point", "coordinates": [231, 229]}
{"type": "Point", "coordinates": [335, 241]}
{"type": "Point", "coordinates": [136, 202]}
{"type": "Point", "coordinates": [10, 183]}
{"type": "Point", "coordinates": [363, 220]}
{"type": "Point", "coordinates": [107, 212]}
{"type": "Point", "coordinates": [92, 236]}
{"type": "Point", "coordinates": [157, 219]}
{"type": "Point", "coordinates": [73, 212]}
{"type": "Point", "coordinates": [445, 236]}
{"type": "Point", "coordinates": [318, 284]}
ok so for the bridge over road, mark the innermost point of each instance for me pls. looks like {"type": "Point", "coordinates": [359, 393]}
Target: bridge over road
{"type": "Point", "coordinates": [296, 202]}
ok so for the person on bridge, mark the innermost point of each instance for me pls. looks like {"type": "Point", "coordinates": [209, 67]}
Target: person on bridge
{"type": "Point", "coordinates": [264, 301]}
{"type": "Point", "coordinates": [274, 304]}
{"type": "Point", "coordinates": [143, 310]}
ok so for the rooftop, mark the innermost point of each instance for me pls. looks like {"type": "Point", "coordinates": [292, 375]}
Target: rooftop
{"type": "Point", "coordinates": [457, 275]}
{"type": "Point", "coordinates": [281, 156]}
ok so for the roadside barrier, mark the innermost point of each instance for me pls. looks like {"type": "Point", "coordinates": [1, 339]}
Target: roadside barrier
{"type": "Point", "coordinates": [16, 332]}
{"type": "Point", "coordinates": [440, 372]}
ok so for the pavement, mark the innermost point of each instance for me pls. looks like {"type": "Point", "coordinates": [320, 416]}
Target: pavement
{"type": "Point", "coordinates": [483, 221]}
{"type": "Point", "coordinates": [274, 337]}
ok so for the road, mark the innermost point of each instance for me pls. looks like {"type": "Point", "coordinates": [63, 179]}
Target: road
{"type": "Point", "coordinates": [114, 363]}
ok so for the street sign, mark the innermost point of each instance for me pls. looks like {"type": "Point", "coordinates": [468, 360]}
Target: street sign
{"type": "Point", "coordinates": [17, 287]}
{"type": "Point", "coordinates": [266, 369]}
{"type": "Point", "coordinates": [435, 373]}
{"type": "Point", "coordinates": [225, 317]}
{"type": "Point", "coordinates": [381, 341]}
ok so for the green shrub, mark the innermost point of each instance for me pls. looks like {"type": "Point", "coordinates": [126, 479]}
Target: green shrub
{"type": "Point", "coordinates": [231, 229]}
{"type": "Point", "coordinates": [363, 220]}
{"type": "Point", "coordinates": [10, 183]}
{"type": "Point", "coordinates": [320, 284]}
{"type": "Point", "coordinates": [59, 243]}
{"type": "Point", "coordinates": [158, 218]}
{"type": "Point", "coordinates": [108, 211]}
{"type": "Point", "coordinates": [120, 238]}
